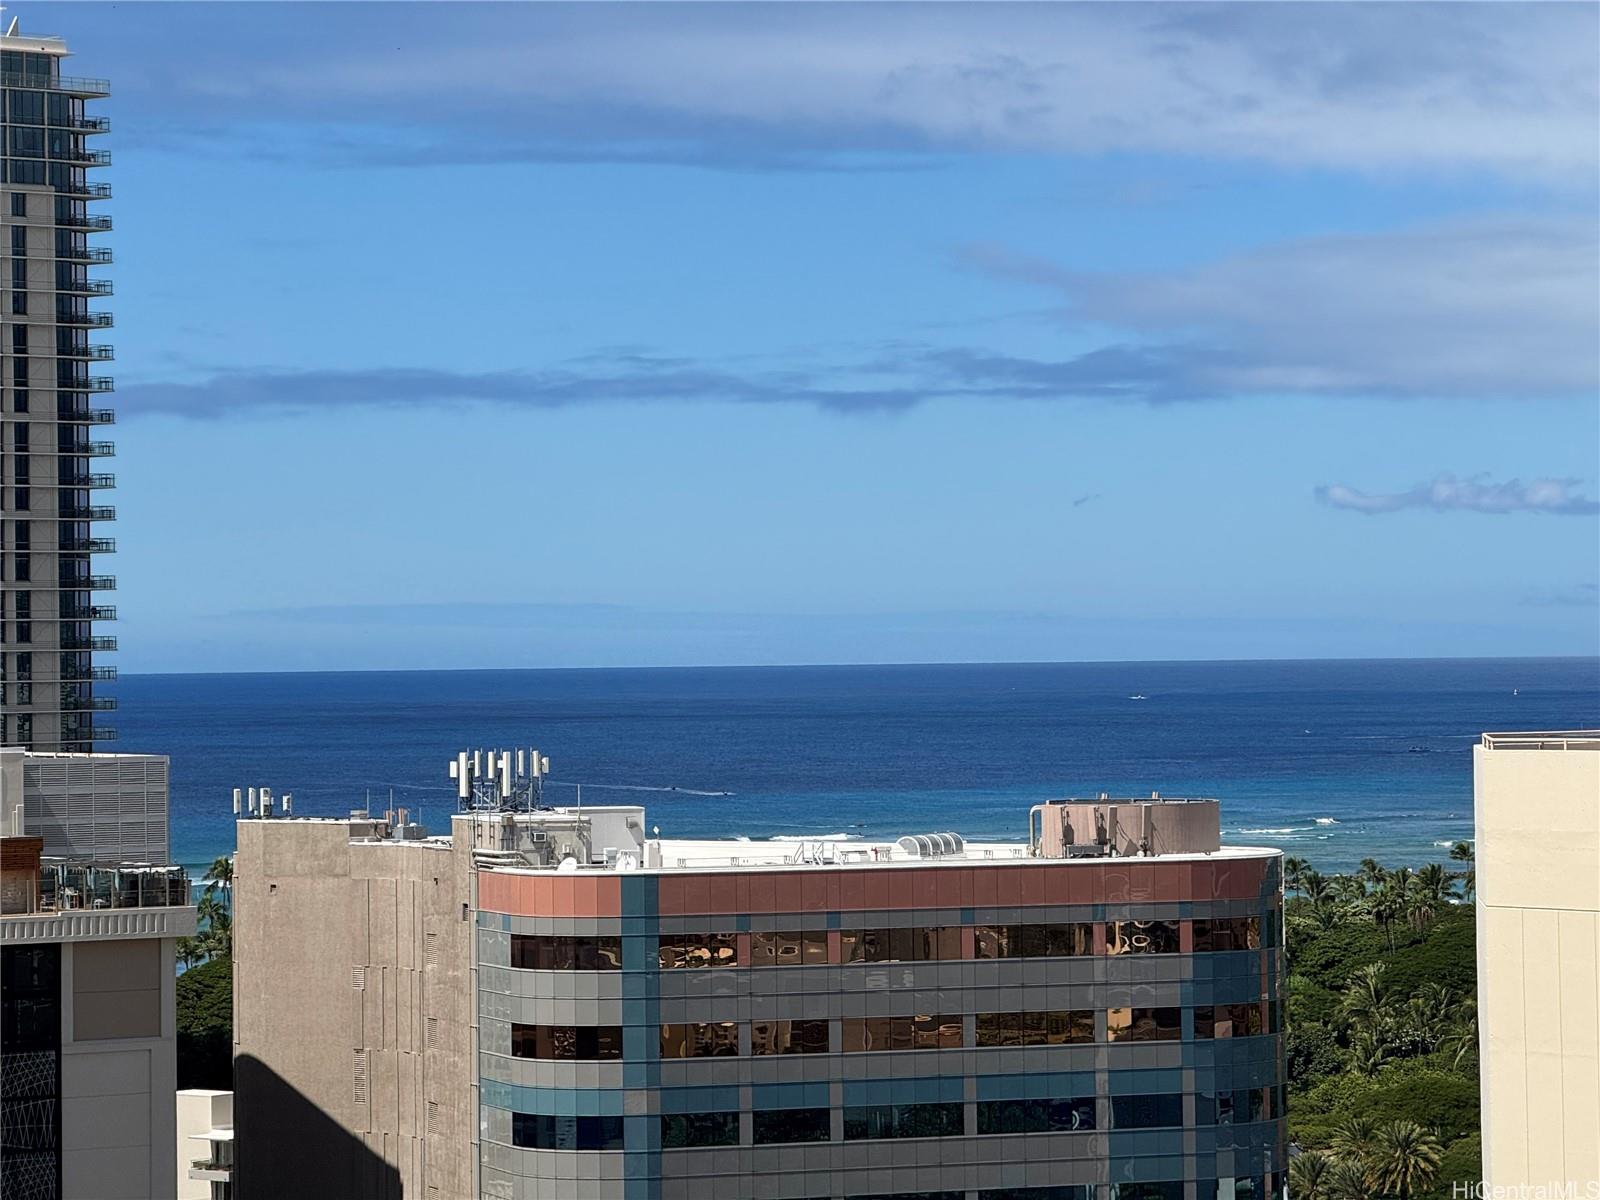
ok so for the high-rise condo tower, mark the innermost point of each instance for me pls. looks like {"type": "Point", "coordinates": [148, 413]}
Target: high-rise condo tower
{"type": "Point", "coordinates": [50, 506]}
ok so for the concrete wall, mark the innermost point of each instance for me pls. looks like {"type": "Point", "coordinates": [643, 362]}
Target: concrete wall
{"type": "Point", "coordinates": [1538, 879]}
{"type": "Point", "coordinates": [119, 1069]}
{"type": "Point", "coordinates": [351, 960]}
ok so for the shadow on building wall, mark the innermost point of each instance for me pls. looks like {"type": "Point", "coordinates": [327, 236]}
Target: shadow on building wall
{"type": "Point", "coordinates": [285, 1146]}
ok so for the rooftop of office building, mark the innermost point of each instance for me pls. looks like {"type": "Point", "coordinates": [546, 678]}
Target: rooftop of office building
{"type": "Point", "coordinates": [1564, 739]}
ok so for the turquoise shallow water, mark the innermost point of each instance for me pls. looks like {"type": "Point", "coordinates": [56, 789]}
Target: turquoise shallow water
{"type": "Point", "coordinates": [1335, 761]}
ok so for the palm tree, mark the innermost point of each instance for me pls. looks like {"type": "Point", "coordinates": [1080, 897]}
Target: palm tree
{"type": "Point", "coordinates": [1465, 852]}
{"type": "Point", "coordinates": [1405, 1158]}
{"type": "Point", "coordinates": [1436, 883]}
{"type": "Point", "coordinates": [1294, 870]}
{"type": "Point", "coordinates": [1308, 1175]}
{"type": "Point", "coordinates": [189, 951]}
{"type": "Point", "coordinates": [220, 875]}
{"type": "Point", "coordinates": [1386, 908]}
{"type": "Point", "coordinates": [217, 936]}
{"type": "Point", "coordinates": [1371, 874]}
{"type": "Point", "coordinates": [1345, 1181]}
{"type": "Point", "coordinates": [1353, 1142]}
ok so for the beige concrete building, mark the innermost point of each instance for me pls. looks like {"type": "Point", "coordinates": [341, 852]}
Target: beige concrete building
{"type": "Point", "coordinates": [353, 1011]}
{"type": "Point", "coordinates": [88, 1037]}
{"type": "Point", "coordinates": [1537, 801]}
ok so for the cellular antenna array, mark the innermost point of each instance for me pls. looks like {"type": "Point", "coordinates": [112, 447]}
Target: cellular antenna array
{"type": "Point", "coordinates": [499, 780]}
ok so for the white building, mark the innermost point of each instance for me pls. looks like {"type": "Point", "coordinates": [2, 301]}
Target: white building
{"type": "Point", "coordinates": [1537, 801]}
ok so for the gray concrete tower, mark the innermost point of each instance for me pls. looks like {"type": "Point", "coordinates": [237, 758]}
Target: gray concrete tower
{"type": "Point", "coordinates": [49, 488]}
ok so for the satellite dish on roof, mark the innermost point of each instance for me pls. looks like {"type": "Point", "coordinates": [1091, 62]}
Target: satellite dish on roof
{"type": "Point", "coordinates": [567, 864]}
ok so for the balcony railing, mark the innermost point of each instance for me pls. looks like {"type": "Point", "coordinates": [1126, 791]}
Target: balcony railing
{"type": "Point", "coordinates": [89, 612]}
{"type": "Point", "coordinates": [86, 416]}
{"type": "Point", "coordinates": [85, 674]}
{"type": "Point", "coordinates": [94, 479]}
{"type": "Point", "coordinates": [96, 222]}
{"type": "Point", "coordinates": [95, 353]}
{"type": "Point", "coordinates": [92, 449]}
{"type": "Point", "coordinates": [108, 644]}
{"type": "Point", "coordinates": [88, 158]}
{"type": "Point", "coordinates": [85, 191]}
{"type": "Point", "coordinates": [88, 546]}
{"type": "Point", "coordinates": [85, 254]}
{"type": "Point", "coordinates": [72, 85]}
{"type": "Point", "coordinates": [85, 287]}
{"type": "Point", "coordinates": [88, 512]}
{"type": "Point", "coordinates": [88, 703]}
{"type": "Point", "coordinates": [81, 124]}
{"type": "Point", "coordinates": [91, 320]}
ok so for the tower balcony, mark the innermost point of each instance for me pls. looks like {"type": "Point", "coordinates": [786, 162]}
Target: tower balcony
{"type": "Point", "coordinates": [71, 85]}
{"type": "Point", "coordinates": [79, 124]}
{"type": "Point", "coordinates": [88, 254]}
{"type": "Point", "coordinates": [96, 642]}
{"type": "Point", "coordinates": [97, 353]}
{"type": "Point", "coordinates": [85, 287]}
{"type": "Point", "coordinates": [88, 546]}
{"type": "Point", "coordinates": [87, 512]}
{"type": "Point", "coordinates": [87, 612]}
{"type": "Point", "coordinates": [89, 479]}
{"type": "Point", "coordinates": [85, 416]}
{"type": "Point", "coordinates": [95, 223]}
{"type": "Point", "coordinates": [87, 158]}
{"type": "Point", "coordinates": [91, 320]}
{"type": "Point", "coordinates": [85, 191]}
{"type": "Point", "coordinates": [86, 674]}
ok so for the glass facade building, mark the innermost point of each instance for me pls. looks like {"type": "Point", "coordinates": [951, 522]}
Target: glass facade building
{"type": "Point", "coordinates": [1024, 1029]}
{"type": "Point", "coordinates": [52, 490]}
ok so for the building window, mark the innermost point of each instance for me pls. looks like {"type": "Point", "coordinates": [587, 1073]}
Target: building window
{"type": "Point", "coordinates": [901, 945]}
{"type": "Point", "coordinates": [700, 1039]}
{"type": "Point", "coordinates": [1228, 933]}
{"type": "Point", "coordinates": [1068, 940]}
{"type": "Point", "coordinates": [679, 1130]}
{"type": "Point", "coordinates": [1238, 1107]}
{"type": "Point", "coordinates": [30, 1030]}
{"type": "Point", "coordinates": [902, 1121]}
{"type": "Point", "coordinates": [1060, 1191]}
{"type": "Point", "coordinates": [579, 1042]}
{"type": "Point", "coordinates": [1057, 1028]}
{"type": "Point", "coordinates": [900, 1033]}
{"type": "Point", "coordinates": [1151, 1191]}
{"type": "Point", "coordinates": [1036, 1116]}
{"type": "Point", "coordinates": [566, 953]}
{"type": "Point", "coordinates": [539, 1132]}
{"type": "Point", "coordinates": [1144, 1024]}
{"type": "Point", "coordinates": [791, 1125]}
{"type": "Point", "coordinates": [788, 1037]}
{"type": "Point", "coordinates": [1142, 937]}
{"type": "Point", "coordinates": [789, 948]}
{"type": "Point", "coordinates": [1228, 1021]}
{"type": "Point", "coordinates": [1146, 1112]}
{"type": "Point", "coordinates": [19, 204]}
{"type": "Point", "coordinates": [698, 950]}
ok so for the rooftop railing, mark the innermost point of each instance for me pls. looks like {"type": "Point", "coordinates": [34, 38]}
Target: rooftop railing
{"type": "Point", "coordinates": [1565, 739]}
{"type": "Point", "coordinates": [76, 887]}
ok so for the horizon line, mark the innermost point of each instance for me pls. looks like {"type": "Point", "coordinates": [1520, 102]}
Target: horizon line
{"type": "Point", "coordinates": [801, 666]}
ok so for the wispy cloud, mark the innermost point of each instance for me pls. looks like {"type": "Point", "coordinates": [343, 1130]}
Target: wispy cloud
{"type": "Point", "coordinates": [1446, 493]}
{"type": "Point", "coordinates": [1577, 595]}
{"type": "Point", "coordinates": [1507, 89]}
{"type": "Point", "coordinates": [1488, 309]}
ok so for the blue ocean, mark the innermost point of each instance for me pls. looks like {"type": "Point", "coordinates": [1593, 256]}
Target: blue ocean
{"type": "Point", "coordinates": [1331, 760]}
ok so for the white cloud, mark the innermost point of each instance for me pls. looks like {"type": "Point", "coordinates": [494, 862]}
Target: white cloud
{"type": "Point", "coordinates": [1495, 309]}
{"type": "Point", "coordinates": [1505, 88]}
{"type": "Point", "coordinates": [1448, 494]}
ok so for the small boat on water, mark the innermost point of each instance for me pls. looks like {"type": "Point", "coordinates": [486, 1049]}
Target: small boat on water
{"type": "Point", "coordinates": [1138, 697]}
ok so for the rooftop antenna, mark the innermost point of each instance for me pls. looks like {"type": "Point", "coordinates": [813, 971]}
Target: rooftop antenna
{"type": "Point", "coordinates": [499, 780]}
{"type": "Point", "coordinates": [11, 29]}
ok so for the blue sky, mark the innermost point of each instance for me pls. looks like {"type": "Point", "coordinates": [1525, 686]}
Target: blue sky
{"type": "Point", "coordinates": [460, 335]}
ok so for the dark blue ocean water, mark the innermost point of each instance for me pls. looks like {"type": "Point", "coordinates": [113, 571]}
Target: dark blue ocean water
{"type": "Point", "coordinates": [1334, 761]}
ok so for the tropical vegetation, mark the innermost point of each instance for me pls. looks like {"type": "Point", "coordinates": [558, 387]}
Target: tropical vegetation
{"type": "Point", "coordinates": [1382, 1022]}
{"type": "Point", "coordinates": [215, 908]}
